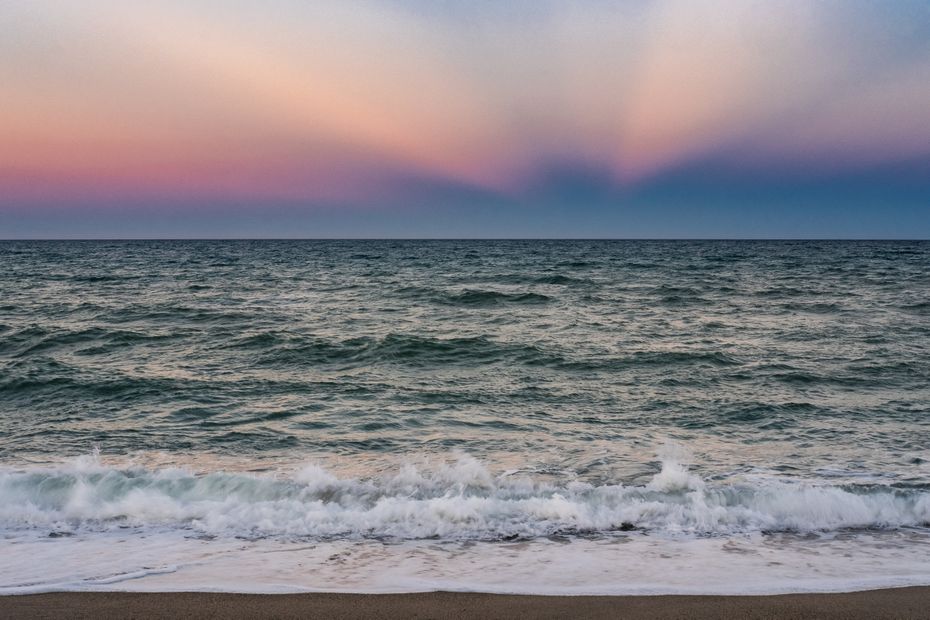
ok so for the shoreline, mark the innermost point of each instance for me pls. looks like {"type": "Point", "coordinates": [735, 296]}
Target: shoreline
{"type": "Point", "coordinates": [906, 602]}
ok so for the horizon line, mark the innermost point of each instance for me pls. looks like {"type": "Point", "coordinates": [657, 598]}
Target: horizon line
{"type": "Point", "coordinates": [112, 239]}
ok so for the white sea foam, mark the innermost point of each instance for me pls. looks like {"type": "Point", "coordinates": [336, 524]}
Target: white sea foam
{"type": "Point", "coordinates": [632, 564]}
{"type": "Point", "coordinates": [457, 501]}
{"type": "Point", "coordinates": [454, 526]}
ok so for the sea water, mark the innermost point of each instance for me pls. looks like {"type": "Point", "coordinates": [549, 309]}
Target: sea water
{"type": "Point", "coordinates": [580, 417]}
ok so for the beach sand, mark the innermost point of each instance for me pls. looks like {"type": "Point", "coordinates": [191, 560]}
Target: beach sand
{"type": "Point", "coordinates": [891, 603]}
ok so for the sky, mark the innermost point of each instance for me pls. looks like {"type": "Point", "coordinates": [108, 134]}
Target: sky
{"type": "Point", "coordinates": [470, 118]}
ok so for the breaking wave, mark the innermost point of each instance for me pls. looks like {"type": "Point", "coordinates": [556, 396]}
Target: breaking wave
{"type": "Point", "coordinates": [461, 500]}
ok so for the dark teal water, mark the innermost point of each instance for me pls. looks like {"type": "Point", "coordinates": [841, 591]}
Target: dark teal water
{"type": "Point", "coordinates": [659, 368]}
{"type": "Point", "coordinates": [354, 347]}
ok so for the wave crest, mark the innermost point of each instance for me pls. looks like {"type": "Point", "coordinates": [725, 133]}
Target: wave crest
{"type": "Point", "coordinates": [461, 500]}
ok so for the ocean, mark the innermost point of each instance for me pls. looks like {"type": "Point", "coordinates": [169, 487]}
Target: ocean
{"type": "Point", "coordinates": [572, 417]}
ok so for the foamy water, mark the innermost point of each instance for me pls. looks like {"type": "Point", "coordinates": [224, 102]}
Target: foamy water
{"type": "Point", "coordinates": [88, 526]}
{"type": "Point", "coordinates": [460, 500]}
{"type": "Point", "coordinates": [632, 564]}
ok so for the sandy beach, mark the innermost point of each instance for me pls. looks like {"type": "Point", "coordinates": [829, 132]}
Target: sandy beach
{"type": "Point", "coordinates": [892, 603]}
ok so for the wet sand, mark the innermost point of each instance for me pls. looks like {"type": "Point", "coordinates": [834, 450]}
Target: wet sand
{"type": "Point", "coordinates": [891, 603]}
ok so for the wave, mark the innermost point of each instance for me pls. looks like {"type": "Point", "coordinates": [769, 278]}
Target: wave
{"type": "Point", "coordinates": [476, 298]}
{"type": "Point", "coordinates": [35, 340]}
{"type": "Point", "coordinates": [461, 500]}
{"type": "Point", "coordinates": [278, 349]}
{"type": "Point", "coordinates": [283, 349]}
{"type": "Point", "coordinates": [555, 279]}
{"type": "Point", "coordinates": [812, 307]}
{"type": "Point", "coordinates": [920, 308]}
{"type": "Point", "coordinates": [641, 359]}
{"type": "Point", "coordinates": [101, 278]}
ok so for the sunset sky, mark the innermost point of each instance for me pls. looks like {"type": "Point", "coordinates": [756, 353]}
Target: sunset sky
{"type": "Point", "coordinates": [417, 118]}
